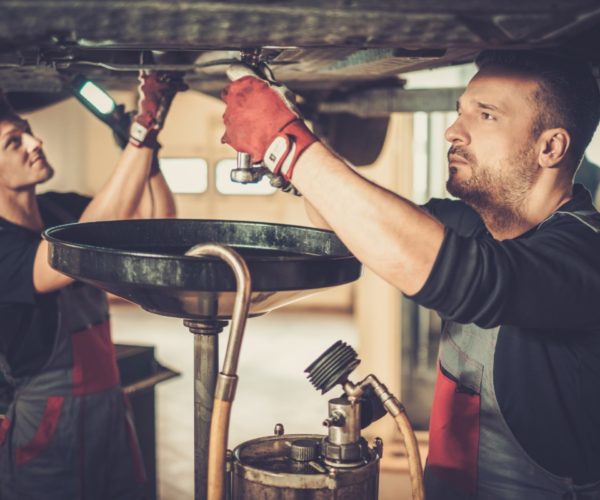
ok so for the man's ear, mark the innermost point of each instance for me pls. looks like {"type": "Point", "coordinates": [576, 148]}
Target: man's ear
{"type": "Point", "coordinates": [554, 144]}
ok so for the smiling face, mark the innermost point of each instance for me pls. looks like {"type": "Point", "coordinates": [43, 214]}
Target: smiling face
{"type": "Point", "coordinates": [492, 158]}
{"type": "Point", "coordinates": [22, 160]}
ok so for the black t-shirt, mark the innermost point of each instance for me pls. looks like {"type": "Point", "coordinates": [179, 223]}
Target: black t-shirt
{"type": "Point", "coordinates": [543, 290]}
{"type": "Point", "coordinates": [28, 320]}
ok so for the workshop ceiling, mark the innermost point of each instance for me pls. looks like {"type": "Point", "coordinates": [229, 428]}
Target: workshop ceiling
{"type": "Point", "coordinates": [317, 47]}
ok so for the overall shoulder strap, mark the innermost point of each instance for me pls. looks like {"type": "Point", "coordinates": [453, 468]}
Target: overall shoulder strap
{"type": "Point", "coordinates": [590, 218]}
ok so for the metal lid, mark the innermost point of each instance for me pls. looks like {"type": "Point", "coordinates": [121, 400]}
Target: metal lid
{"type": "Point", "coordinates": [304, 450]}
{"type": "Point", "coordinates": [267, 461]}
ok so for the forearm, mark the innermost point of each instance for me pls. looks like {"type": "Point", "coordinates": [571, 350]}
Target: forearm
{"type": "Point", "coordinates": [392, 236]}
{"type": "Point", "coordinates": [157, 200]}
{"type": "Point", "coordinates": [120, 197]}
{"type": "Point", "coordinates": [314, 216]}
{"type": "Point", "coordinates": [130, 192]}
{"type": "Point", "coordinates": [389, 234]}
{"type": "Point", "coordinates": [45, 278]}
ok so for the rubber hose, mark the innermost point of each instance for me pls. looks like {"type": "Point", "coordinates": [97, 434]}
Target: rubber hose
{"type": "Point", "coordinates": [414, 457]}
{"type": "Point", "coordinates": [219, 430]}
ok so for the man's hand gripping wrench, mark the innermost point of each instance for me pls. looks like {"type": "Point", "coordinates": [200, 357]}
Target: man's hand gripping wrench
{"type": "Point", "coordinates": [245, 172]}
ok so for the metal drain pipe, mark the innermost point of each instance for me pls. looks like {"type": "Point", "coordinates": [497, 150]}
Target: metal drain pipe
{"type": "Point", "coordinates": [227, 378]}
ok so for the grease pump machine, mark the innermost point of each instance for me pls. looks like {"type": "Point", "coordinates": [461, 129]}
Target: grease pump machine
{"type": "Point", "coordinates": [148, 262]}
{"type": "Point", "coordinates": [340, 465]}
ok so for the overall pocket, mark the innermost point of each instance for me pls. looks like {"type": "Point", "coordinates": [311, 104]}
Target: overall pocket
{"type": "Point", "coordinates": [454, 434]}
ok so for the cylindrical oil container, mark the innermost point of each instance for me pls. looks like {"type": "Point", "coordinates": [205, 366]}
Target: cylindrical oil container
{"type": "Point", "coordinates": [291, 467]}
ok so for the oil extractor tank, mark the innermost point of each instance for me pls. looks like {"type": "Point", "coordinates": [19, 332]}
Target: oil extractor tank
{"type": "Point", "coordinates": [293, 467]}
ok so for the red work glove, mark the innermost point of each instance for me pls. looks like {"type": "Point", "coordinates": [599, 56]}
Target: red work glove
{"type": "Point", "coordinates": [156, 92]}
{"type": "Point", "coordinates": [261, 119]}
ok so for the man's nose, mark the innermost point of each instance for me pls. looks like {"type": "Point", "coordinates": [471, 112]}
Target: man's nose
{"type": "Point", "coordinates": [31, 142]}
{"type": "Point", "coordinates": [457, 133]}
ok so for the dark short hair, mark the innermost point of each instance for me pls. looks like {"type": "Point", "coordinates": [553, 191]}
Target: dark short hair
{"type": "Point", "coordinates": [568, 95]}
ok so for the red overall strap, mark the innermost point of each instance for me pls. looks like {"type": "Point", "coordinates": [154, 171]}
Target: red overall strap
{"type": "Point", "coordinates": [94, 363]}
{"type": "Point", "coordinates": [4, 426]}
{"type": "Point", "coordinates": [44, 432]}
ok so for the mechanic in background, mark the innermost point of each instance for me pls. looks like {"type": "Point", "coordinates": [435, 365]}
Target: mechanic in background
{"type": "Point", "coordinates": [68, 433]}
{"type": "Point", "coordinates": [513, 268]}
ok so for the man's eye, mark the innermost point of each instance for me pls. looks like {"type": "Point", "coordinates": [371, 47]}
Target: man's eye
{"type": "Point", "coordinates": [13, 142]}
{"type": "Point", "coordinates": [487, 116]}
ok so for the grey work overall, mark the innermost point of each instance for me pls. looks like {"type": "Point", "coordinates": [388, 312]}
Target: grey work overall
{"type": "Point", "coordinates": [473, 454]}
{"type": "Point", "coordinates": [68, 434]}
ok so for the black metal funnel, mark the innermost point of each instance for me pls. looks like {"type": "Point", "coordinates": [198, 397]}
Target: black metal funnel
{"type": "Point", "coordinates": [143, 261]}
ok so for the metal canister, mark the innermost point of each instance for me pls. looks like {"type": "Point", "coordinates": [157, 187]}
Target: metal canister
{"type": "Point", "coordinates": [290, 467]}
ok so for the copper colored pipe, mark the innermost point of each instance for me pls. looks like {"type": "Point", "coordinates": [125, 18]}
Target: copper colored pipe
{"type": "Point", "coordinates": [227, 378]}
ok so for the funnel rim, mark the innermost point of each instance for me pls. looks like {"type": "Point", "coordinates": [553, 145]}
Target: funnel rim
{"type": "Point", "coordinates": [144, 262]}
{"type": "Point", "coordinates": [48, 235]}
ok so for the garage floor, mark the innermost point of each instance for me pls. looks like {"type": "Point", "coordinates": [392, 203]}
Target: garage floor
{"type": "Point", "coordinates": [272, 386]}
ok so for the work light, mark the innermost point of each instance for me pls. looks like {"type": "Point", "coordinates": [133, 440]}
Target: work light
{"type": "Point", "coordinates": [102, 105]}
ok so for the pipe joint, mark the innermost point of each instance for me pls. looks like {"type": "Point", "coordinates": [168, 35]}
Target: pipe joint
{"type": "Point", "coordinates": [389, 401]}
{"type": "Point", "coordinates": [226, 386]}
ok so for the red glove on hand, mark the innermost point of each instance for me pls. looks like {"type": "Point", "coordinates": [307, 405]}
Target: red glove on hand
{"type": "Point", "coordinates": [260, 119]}
{"type": "Point", "coordinates": [156, 92]}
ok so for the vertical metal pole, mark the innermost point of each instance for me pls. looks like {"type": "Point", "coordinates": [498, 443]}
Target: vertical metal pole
{"type": "Point", "coordinates": [206, 366]}
{"type": "Point", "coordinates": [206, 362]}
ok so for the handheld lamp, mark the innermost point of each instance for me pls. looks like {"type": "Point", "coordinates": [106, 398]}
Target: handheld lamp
{"type": "Point", "coordinates": [102, 105]}
{"type": "Point", "coordinates": [93, 97]}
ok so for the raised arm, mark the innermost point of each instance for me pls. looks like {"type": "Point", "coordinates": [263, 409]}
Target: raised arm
{"type": "Point", "coordinates": [395, 238]}
{"type": "Point", "coordinates": [314, 216]}
{"type": "Point", "coordinates": [133, 190]}
{"type": "Point", "coordinates": [157, 200]}
{"type": "Point", "coordinates": [118, 199]}
{"type": "Point", "coordinates": [388, 233]}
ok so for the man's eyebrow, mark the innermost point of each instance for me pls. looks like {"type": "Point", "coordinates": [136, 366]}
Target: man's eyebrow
{"type": "Point", "coordinates": [482, 105]}
{"type": "Point", "coordinates": [488, 106]}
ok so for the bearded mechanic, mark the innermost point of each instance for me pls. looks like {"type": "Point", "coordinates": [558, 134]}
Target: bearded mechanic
{"type": "Point", "coordinates": [68, 434]}
{"type": "Point", "coordinates": [513, 268]}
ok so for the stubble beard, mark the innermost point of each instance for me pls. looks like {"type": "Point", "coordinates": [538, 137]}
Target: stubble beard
{"type": "Point", "coordinates": [50, 173]}
{"type": "Point", "coordinates": [498, 194]}
{"type": "Point", "coordinates": [44, 174]}
{"type": "Point", "coordinates": [48, 169]}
